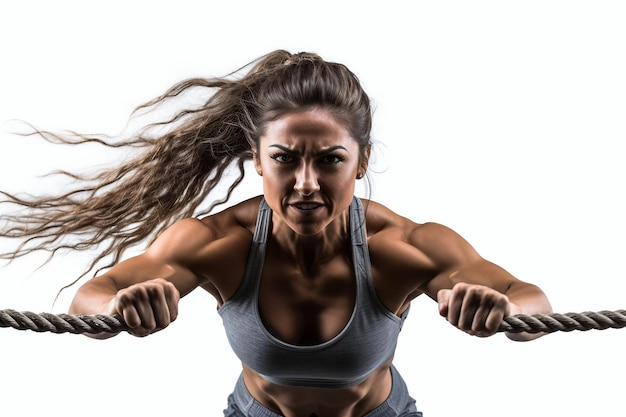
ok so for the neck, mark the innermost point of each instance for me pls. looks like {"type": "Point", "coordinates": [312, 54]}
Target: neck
{"type": "Point", "coordinates": [311, 252]}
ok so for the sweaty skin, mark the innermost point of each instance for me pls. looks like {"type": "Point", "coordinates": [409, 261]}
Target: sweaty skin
{"type": "Point", "coordinates": [309, 164]}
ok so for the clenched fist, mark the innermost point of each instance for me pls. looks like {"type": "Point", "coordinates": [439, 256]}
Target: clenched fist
{"type": "Point", "coordinates": [147, 307]}
{"type": "Point", "coordinates": [475, 309]}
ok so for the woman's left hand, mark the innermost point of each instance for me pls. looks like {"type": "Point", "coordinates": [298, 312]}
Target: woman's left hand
{"type": "Point", "coordinates": [475, 309]}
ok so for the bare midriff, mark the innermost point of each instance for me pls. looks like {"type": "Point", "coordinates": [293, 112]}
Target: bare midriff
{"type": "Point", "coordinates": [354, 401]}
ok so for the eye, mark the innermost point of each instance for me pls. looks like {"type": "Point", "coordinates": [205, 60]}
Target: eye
{"type": "Point", "coordinates": [333, 159]}
{"type": "Point", "coordinates": [282, 157]}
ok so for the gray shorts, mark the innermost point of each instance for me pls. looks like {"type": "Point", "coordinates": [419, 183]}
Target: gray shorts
{"type": "Point", "coordinates": [398, 404]}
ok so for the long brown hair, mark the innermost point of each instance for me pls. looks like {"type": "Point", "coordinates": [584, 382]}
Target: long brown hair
{"type": "Point", "coordinates": [181, 159]}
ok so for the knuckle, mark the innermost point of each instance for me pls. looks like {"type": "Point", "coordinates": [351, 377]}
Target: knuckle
{"type": "Point", "coordinates": [153, 291]}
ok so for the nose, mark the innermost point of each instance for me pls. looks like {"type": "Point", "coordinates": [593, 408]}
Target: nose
{"type": "Point", "coordinates": [306, 180]}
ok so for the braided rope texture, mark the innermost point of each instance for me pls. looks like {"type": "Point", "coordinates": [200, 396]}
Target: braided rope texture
{"type": "Point", "coordinates": [549, 323]}
{"type": "Point", "coordinates": [536, 323]}
{"type": "Point", "coordinates": [61, 323]}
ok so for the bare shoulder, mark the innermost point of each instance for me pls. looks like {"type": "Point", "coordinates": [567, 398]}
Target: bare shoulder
{"type": "Point", "coordinates": [406, 254]}
{"type": "Point", "coordinates": [214, 248]}
{"type": "Point", "coordinates": [385, 224]}
{"type": "Point", "coordinates": [190, 238]}
{"type": "Point", "coordinates": [432, 239]}
{"type": "Point", "coordinates": [381, 219]}
{"type": "Point", "coordinates": [399, 268]}
{"type": "Point", "coordinates": [239, 216]}
{"type": "Point", "coordinates": [389, 238]}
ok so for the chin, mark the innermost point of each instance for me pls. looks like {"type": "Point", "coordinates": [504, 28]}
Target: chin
{"type": "Point", "coordinates": [307, 231]}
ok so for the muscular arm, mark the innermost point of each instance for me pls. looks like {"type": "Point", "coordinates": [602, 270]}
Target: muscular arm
{"type": "Point", "coordinates": [145, 289]}
{"type": "Point", "coordinates": [473, 293]}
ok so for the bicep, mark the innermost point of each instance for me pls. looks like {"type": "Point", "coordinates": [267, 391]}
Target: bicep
{"type": "Point", "coordinates": [478, 272]}
{"type": "Point", "coordinates": [454, 260]}
{"type": "Point", "coordinates": [170, 257]}
{"type": "Point", "coordinates": [146, 267]}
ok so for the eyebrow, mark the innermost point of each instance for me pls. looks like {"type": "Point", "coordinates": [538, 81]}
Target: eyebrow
{"type": "Point", "coordinates": [319, 153]}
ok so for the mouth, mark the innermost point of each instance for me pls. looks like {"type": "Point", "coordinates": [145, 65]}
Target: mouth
{"type": "Point", "coordinates": [306, 208]}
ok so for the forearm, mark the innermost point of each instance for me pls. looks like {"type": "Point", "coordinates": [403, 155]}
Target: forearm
{"type": "Point", "coordinates": [94, 297]}
{"type": "Point", "coordinates": [529, 299]}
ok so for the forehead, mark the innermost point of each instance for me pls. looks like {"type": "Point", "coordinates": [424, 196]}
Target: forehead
{"type": "Point", "coordinates": [314, 126]}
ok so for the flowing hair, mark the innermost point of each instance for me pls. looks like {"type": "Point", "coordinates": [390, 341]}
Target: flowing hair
{"type": "Point", "coordinates": [180, 160]}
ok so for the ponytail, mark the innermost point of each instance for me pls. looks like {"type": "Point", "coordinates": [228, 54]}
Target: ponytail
{"type": "Point", "coordinates": [175, 171]}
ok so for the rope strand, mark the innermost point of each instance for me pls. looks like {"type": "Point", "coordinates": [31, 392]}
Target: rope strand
{"type": "Point", "coordinates": [536, 323]}
{"type": "Point", "coordinates": [61, 323]}
{"type": "Point", "coordinates": [549, 323]}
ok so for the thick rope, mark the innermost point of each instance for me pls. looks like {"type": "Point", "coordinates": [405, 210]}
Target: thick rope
{"type": "Point", "coordinates": [536, 323]}
{"type": "Point", "coordinates": [549, 323]}
{"type": "Point", "coordinates": [61, 323]}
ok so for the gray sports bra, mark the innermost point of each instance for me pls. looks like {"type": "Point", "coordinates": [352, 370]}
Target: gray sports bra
{"type": "Point", "coordinates": [366, 342]}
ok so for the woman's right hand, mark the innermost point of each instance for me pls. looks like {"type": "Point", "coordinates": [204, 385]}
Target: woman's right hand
{"type": "Point", "coordinates": [146, 307]}
{"type": "Point", "coordinates": [130, 289]}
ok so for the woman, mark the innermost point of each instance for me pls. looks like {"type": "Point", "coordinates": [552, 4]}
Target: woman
{"type": "Point", "coordinates": [312, 284]}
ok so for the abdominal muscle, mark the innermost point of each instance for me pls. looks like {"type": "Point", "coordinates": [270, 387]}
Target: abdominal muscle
{"type": "Point", "coordinates": [355, 401]}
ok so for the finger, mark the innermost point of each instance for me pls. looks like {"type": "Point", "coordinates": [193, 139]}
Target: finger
{"type": "Point", "coordinates": [492, 323]}
{"type": "Point", "coordinates": [496, 315]}
{"type": "Point", "coordinates": [159, 309]}
{"type": "Point", "coordinates": [479, 324]}
{"type": "Point", "coordinates": [134, 305]}
{"type": "Point", "coordinates": [172, 297]}
{"type": "Point", "coordinates": [443, 298]}
{"type": "Point", "coordinates": [145, 311]}
{"type": "Point", "coordinates": [466, 318]}
{"type": "Point", "coordinates": [455, 304]}
{"type": "Point", "coordinates": [127, 310]}
{"type": "Point", "coordinates": [470, 303]}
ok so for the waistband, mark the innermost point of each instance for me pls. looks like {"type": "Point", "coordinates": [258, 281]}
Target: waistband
{"type": "Point", "coordinates": [398, 404]}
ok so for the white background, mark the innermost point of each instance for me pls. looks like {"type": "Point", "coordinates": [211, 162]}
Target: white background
{"type": "Point", "coordinates": [503, 120]}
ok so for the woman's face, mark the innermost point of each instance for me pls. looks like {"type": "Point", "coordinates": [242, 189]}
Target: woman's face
{"type": "Point", "coordinates": [309, 165]}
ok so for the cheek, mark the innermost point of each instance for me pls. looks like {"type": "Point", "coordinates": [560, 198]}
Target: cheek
{"type": "Point", "coordinates": [274, 182]}
{"type": "Point", "coordinates": [339, 185]}
{"type": "Point", "coordinates": [343, 177]}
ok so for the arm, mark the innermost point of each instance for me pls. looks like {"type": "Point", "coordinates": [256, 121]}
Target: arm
{"type": "Point", "coordinates": [473, 293]}
{"type": "Point", "coordinates": [145, 290]}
